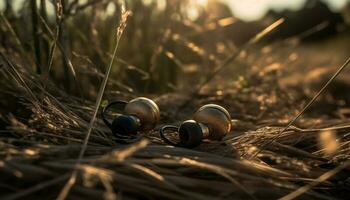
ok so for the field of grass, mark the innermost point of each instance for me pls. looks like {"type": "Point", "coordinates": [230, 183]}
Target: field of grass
{"type": "Point", "coordinates": [62, 61]}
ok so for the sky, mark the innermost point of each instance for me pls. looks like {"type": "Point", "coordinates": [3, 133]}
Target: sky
{"type": "Point", "coordinates": [250, 9]}
{"type": "Point", "coordinates": [255, 9]}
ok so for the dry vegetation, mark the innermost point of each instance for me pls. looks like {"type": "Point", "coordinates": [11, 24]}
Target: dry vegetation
{"type": "Point", "coordinates": [52, 69]}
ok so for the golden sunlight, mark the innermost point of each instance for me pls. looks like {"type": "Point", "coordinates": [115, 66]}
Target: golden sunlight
{"type": "Point", "coordinates": [328, 142]}
{"type": "Point", "coordinates": [201, 2]}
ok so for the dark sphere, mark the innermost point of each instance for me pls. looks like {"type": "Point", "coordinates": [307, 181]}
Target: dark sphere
{"type": "Point", "coordinates": [190, 133]}
{"type": "Point", "coordinates": [125, 125]}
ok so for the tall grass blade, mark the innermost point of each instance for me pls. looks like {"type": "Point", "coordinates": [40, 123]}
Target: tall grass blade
{"type": "Point", "coordinates": [320, 179]}
{"type": "Point", "coordinates": [64, 192]}
{"type": "Point", "coordinates": [253, 40]}
{"type": "Point", "coordinates": [230, 59]}
{"type": "Point", "coordinates": [35, 35]}
{"type": "Point", "coordinates": [305, 107]}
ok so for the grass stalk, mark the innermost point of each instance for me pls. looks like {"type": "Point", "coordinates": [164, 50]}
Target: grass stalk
{"type": "Point", "coordinates": [64, 192]}
{"type": "Point", "coordinates": [46, 45]}
{"type": "Point", "coordinates": [302, 190]}
{"type": "Point", "coordinates": [35, 35]}
{"type": "Point", "coordinates": [305, 108]}
{"type": "Point", "coordinates": [231, 58]}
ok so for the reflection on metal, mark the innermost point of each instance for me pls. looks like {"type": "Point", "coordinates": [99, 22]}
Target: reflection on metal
{"type": "Point", "coordinates": [209, 122]}
{"type": "Point", "coordinates": [140, 114]}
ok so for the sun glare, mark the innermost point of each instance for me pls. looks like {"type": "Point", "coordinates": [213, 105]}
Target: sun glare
{"type": "Point", "coordinates": [194, 7]}
{"type": "Point", "coordinates": [202, 2]}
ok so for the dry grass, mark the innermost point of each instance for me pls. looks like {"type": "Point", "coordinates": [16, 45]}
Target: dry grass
{"type": "Point", "coordinates": [38, 156]}
{"type": "Point", "coordinates": [264, 157]}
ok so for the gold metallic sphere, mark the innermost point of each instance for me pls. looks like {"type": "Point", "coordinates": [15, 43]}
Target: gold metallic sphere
{"type": "Point", "coordinates": [145, 110]}
{"type": "Point", "coordinates": [216, 118]}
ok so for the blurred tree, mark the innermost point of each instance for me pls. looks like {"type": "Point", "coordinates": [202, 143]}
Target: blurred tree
{"type": "Point", "coordinates": [305, 22]}
{"type": "Point", "coordinates": [217, 10]}
{"type": "Point", "coordinates": [8, 8]}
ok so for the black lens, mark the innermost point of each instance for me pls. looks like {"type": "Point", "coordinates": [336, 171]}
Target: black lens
{"type": "Point", "coordinates": [190, 134]}
{"type": "Point", "coordinates": [125, 125]}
